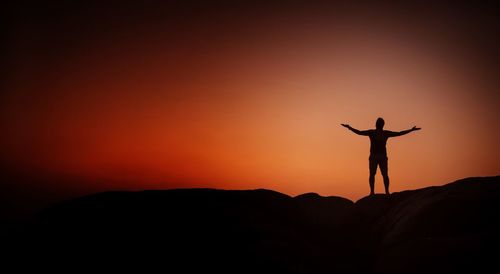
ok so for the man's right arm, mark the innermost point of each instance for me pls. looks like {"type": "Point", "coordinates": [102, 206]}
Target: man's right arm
{"type": "Point", "coordinates": [357, 131]}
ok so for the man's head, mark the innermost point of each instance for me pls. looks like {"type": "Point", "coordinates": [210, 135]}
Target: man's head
{"type": "Point", "coordinates": [380, 123]}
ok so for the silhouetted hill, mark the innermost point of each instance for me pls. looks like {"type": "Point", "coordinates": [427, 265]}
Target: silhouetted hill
{"type": "Point", "coordinates": [446, 229]}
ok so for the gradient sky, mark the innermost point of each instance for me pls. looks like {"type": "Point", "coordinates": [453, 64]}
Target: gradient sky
{"type": "Point", "coordinates": [125, 95]}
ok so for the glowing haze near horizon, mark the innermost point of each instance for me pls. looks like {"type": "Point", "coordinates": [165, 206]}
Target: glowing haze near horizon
{"type": "Point", "coordinates": [249, 103]}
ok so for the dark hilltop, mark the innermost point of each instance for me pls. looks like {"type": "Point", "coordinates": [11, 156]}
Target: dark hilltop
{"type": "Point", "coordinates": [452, 228]}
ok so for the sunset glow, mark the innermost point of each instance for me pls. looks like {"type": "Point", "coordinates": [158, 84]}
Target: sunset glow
{"type": "Point", "coordinates": [241, 104]}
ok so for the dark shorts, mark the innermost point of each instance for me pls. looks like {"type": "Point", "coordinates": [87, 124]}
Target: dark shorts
{"type": "Point", "coordinates": [380, 161]}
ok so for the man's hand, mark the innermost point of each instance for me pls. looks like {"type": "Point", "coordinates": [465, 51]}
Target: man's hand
{"type": "Point", "coordinates": [346, 125]}
{"type": "Point", "coordinates": [415, 128]}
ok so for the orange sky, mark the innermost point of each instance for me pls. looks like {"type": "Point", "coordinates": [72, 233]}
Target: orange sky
{"type": "Point", "coordinates": [257, 105]}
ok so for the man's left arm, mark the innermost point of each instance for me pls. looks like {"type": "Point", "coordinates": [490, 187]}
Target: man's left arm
{"type": "Point", "coordinates": [401, 133]}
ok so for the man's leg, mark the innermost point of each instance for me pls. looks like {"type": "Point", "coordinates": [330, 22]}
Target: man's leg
{"type": "Point", "coordinates": [373, 171]}
{"type": "Point", "coordinates": [385, 173]}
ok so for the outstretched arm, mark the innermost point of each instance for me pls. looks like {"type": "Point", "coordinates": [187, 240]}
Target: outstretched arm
{"type": "Point", "coordinates": [357, 131]}
{"type": "Point", "coordinates": [400, 133]}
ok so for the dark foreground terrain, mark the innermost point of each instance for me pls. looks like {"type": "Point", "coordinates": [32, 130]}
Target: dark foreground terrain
{"type": "Point", "coordinates": [447, 229]}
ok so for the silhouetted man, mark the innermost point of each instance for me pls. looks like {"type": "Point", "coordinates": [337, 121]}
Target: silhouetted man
{"type": "Point", "coordinates": [378, 152]}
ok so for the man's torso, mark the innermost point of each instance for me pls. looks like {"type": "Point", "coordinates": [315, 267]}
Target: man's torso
{"type": "Point", "coordinates": [378, 141]}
